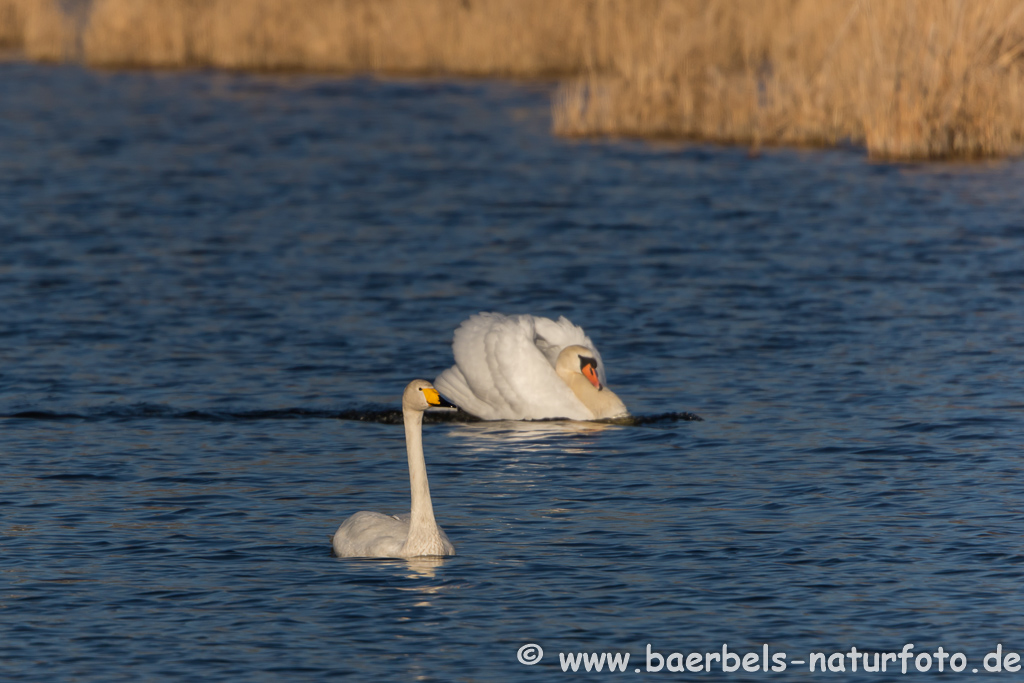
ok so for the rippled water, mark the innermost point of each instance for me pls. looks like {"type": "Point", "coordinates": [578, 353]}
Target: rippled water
{"type": "Point", "coordinates": [201, 273]}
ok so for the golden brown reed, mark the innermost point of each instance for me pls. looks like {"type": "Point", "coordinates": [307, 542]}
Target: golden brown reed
{"type": "Point", "coordinates": [12, 26]}
{"type": "Point", "coordinates": [905, 78]}
{"type": "Point", "coordinates": [913, 79]}
{"type": "Point", "coordinates": [525, 38]}
{"type": "Point", "coordinates": [43, 29]}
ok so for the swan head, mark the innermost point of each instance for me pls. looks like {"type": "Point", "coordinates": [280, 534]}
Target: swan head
{"type": "Point", "coordinates": [579, 360]}
{"type": "Point", "coordinates": [420, 395]}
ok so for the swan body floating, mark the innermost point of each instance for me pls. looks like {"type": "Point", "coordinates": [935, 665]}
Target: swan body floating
{"type": "Point", "coordinates": [525, 367]}
{"type": "Point", "coordinates": [415, 534]}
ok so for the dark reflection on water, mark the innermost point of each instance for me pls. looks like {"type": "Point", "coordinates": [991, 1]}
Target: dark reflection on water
{"type": "Point", "coordinates": [382, 415]}
{"type": "Point", "coordinates": [200, 273]}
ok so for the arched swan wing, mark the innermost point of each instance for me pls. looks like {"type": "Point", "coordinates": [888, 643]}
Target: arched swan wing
{"type": "Point", "coordinates": [501, 372]}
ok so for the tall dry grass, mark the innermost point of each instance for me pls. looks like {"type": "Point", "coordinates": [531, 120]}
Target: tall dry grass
{"type": "Point", "coordinates": [12, 26]}
{"type": "Point", "coordinates": [46, 30]}
{"type": "Point", "coordinates": [904, 78]}
{"type": "Point", "coordinates": [523, 38]}
{"type": "Point", "coordinates": [908, 79]}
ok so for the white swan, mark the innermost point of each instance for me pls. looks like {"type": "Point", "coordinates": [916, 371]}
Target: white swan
{"type": "Point", "coordinates": [415, 534]}
{"type": "Point", "coordinates": [524, 367]}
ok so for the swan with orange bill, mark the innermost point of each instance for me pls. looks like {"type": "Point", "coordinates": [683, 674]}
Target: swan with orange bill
{"type": "Point", "coordinates": [525, 367]}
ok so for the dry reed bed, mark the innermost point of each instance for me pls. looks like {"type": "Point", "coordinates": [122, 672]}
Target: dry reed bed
{"type": "Point", "coordinates": [914, 79]}
{"type": "Point", "coordinates": [519, 38]}
{"type": "Point", "coordinates": [908, 79]}
{"type": "Point", "coordinates": [12, 28]}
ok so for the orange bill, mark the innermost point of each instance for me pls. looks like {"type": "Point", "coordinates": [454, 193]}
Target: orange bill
{"type": "Point", "coordinates": [590, 372]}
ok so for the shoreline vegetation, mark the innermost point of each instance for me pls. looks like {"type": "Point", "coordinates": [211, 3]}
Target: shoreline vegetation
{"type": "Point", "coordinates": [904, 79]}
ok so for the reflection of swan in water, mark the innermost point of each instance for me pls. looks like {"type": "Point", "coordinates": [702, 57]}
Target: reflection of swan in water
{"type": "Point", "coordinates": [509, 431]}
{"type": "Point", "coordinates": [514, 445]}
{"type": "Point", "coordinates": [424, 568]}
{"type": "Point", "coordinates": [525, 367]}
{"type": "Point", "coordinates": [372, 534]}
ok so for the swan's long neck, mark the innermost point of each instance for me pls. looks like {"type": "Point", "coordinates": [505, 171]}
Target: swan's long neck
{"type": "Point", "coordinates": [603, 404]}
{"type": "Point", "coordinates": [421, 524]}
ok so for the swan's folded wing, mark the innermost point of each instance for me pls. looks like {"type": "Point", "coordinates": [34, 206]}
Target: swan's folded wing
{"type": "Point", "coordinates": [522, 375]}
{"type": "Point", "coordinates": [468, 384]}
{"type": "Point", "coordinates": [454, 386]}
{"type": "Point", "coordinates": [500, 373]}
{"type": "Point", "coordinates": [371, 534]}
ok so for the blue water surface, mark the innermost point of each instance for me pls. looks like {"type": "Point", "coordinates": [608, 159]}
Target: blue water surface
{"type": "Point", "coordinates": [205, 276]}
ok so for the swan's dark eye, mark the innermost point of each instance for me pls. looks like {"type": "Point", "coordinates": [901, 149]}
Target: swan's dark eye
{"type": "Point", "coordinates": [585, 361]}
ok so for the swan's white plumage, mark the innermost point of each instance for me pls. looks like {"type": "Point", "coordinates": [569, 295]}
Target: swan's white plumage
{"type": "Point", "coordinates": [416, 533]}
{"type": "Point", "coordinates": [374, 534]}
{"type": "Point", "coordinates": [505, 369]}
